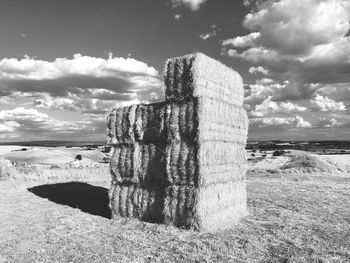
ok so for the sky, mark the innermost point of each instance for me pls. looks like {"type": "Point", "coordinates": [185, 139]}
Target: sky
{"type": "Point", "coordinates": [64, 64]}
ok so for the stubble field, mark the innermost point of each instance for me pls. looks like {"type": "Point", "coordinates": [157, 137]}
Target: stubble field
{"type": "Point", "coordinates": [61, 215]}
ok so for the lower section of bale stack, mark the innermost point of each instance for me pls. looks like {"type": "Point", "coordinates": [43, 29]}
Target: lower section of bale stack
{"type": "Point", "coordinates": [137, 163]}
{"type": "Point", "coordinates": [213, 207]}
{"type": "Point", "coordinates": [145, 202]}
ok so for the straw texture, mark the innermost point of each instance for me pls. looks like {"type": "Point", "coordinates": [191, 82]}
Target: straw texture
{"type": "Point", "coordinates": [182, 161]}
{"type": "Point", "coordinates": [137, 163]}
{"type": "Point", "coordinates": [213, 207]}
{"type": "Point", "coordinates": [137, 123]}
{"type": "Point", "coordinates": [198, 75]}
{"type": "Point", "coordinates": [144, 202]}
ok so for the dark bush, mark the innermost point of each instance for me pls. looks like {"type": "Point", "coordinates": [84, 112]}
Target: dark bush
{"type": "Point", "coordinates": [106, 159]}
{"type": "Point", "coordinates": [278, 153]}
{"type": "Point", "coordinates": [78, 157]}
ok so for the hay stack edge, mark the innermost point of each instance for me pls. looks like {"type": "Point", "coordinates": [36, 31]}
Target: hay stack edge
{"type": "Point", "coordinates": [182, 161]}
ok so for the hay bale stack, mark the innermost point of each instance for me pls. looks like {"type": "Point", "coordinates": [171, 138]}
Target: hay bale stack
{"type": "Point", "coordinates": [137, 163]}
{"type": "Point", "coordinates": [206, 129]}
{"type": "Point", "coordinates": [197, 75]}
{"type": "Point", "coordinates": [182, 161]}
{"type": "Point", "coordinates": [137, 123]}
{"type": "Point", "coordinates": [145, 201]}
{"type": "Point", "coordinates": [215, 206]}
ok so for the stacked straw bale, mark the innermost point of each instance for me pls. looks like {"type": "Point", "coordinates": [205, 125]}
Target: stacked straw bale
{"type": "Point", "coordinates": [136, 123]}
{"type": "Point", "coordinates": [137, 162]}
{"type": "Point", "coordinates": [182, 161]}
{"type": "Point", "coordinates": [206, 129]}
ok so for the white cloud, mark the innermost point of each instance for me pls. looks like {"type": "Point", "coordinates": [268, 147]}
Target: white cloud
{"type": "Point", "coordinates": [295, 27]}
{"type": "Point", "coordinates": [21, 113]}
{"type": "Point", "coordinates": [280, 92]}
{"type": "Point", "coordinates": [268, 106]}
{"type": "Point", "coordinates": [194, 5]}
{"type": "Point", "coordinates": [323, 103]}
{"type": "Point", "coordinates": [28, 123]}
{"type": "Point", "coordinates": [337, 91]}
{"type": "Point", "coordinates": [63, 75]}
{"type": "Point", "coordinates": [284, 123]}
{"type": "Point", "coordinates": [265, 81]}
{"type": "Point", "coordinates": [256, 55]}
{"type": "Point", "coordinates": [212, 33]}
{"type": "Point", "coordinates": [177, 17]}
{"type": "Point", "coordinates": [48, 102]}
{"type": "Point", "coordinates": [301, 123]}
{"type": "Point", "coordinates": [74, 84]}
{"type": "Point", "coordinates": [244, 41]}
{"type": "Point", "coordinates": [8, 126]}
{"type": "Point", "coordinates": [206, 36]}
{"type": "Point", "coordinates": [153, 96]}
{"type": "Point", "coordinates": [87, 85]}
{"type": "Point", "coordinates": [29, 68]}
{"type": "Point", "coordinates": [327, 123]}
{"type": "Point", "coordinates": [295, 41]}
{"type": "Point", "coordinates": [301, 51]}
{"type": "Point", "coordinates": [257, 70]}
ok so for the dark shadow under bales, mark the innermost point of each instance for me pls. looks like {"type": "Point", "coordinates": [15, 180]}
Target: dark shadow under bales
{"type": "Point", "coordinates": [88, 198]}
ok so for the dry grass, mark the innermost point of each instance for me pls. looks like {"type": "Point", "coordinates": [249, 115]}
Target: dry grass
{"type": "Point", "coordinates": [292, 219]}
{"type": "Point", "coordinates": [22, 172]}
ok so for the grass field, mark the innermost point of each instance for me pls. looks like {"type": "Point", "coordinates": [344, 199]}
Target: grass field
{"type": "Point", "coordinates": [293, 218]}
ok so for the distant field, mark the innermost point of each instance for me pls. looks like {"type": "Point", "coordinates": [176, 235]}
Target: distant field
{"type": "Point", "coordinates": [298, 213]}
{"type": "Point", "coordinates": [53, 143]}
{"type": "Point", "coordinates": [49, 155]}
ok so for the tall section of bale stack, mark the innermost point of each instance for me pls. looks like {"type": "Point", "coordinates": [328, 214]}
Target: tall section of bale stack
{"type": "Point", "coordinates": [182, 161]}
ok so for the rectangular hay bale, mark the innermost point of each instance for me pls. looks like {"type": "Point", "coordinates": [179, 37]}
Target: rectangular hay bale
{"type": "Point", "coordinates": [198, 75]}
{"type": "Point", "coordinates": [208, 208]}
{"type": "Point", "coordinates": [202, 119]}
{"type": "Point", "coordinates": [139, 201]}
{"type": "Point", "coordinates": [137, 163]}
{"type": "Point", "coordinates": [199, 164]}
{"type": "Point", "coordinates": [205, 119]}
{"type": "Point", "coordinates": [136, 123]}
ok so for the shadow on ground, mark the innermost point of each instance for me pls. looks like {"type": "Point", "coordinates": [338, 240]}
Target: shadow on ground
{"type": "Point", "coordinates": [88, 198]}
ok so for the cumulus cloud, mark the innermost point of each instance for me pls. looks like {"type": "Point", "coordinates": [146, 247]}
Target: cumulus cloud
{"type": "Point", "coordinates": [323, 103]}
{"type": "Point", "coordinates": [278, 122]}
{"type": "Point", "coordinates": [306, 59]}
{"type": "Point", "coordinates": [8, 126]}
{"type": "Point", "coordinates": [48, 102]}
{"type": "Point", "coordinates": [327, 123]}
{"type": "Point", "coordinates": [243, 41]}
{"type": "Point", "coordinates": [177, 17]}
{"type": "Point", "coordinates": [28, 123]}
{"type": "Point", "coordinates": [294, 41]}
{"type": "Point", "coordinates": [268, 106]}
{"type": "Point", "coordinates": [65, 75]}
{"type": "Point", "coordinates": [212, 33]}
{"type": "Point", "coordinates": [205, 36]}
{"type": "Point", "coordinates": [84, 84]}
{"type": "Point", "coordinates": [279, 92]}
{"type": "Point", "coordinates": [194, 5]}
{"type": "Point", "coordinates": [153, 96]}
{"type": "Point", "coordinates": [258, 70]}
{"type": "Point", "coordinates": [295, 27]}
{"type": "Point", "coordinates": [337, 91]}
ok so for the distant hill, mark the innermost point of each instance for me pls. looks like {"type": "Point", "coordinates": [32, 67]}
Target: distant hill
{"type": "Point", "coordinates": [54, 143]}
